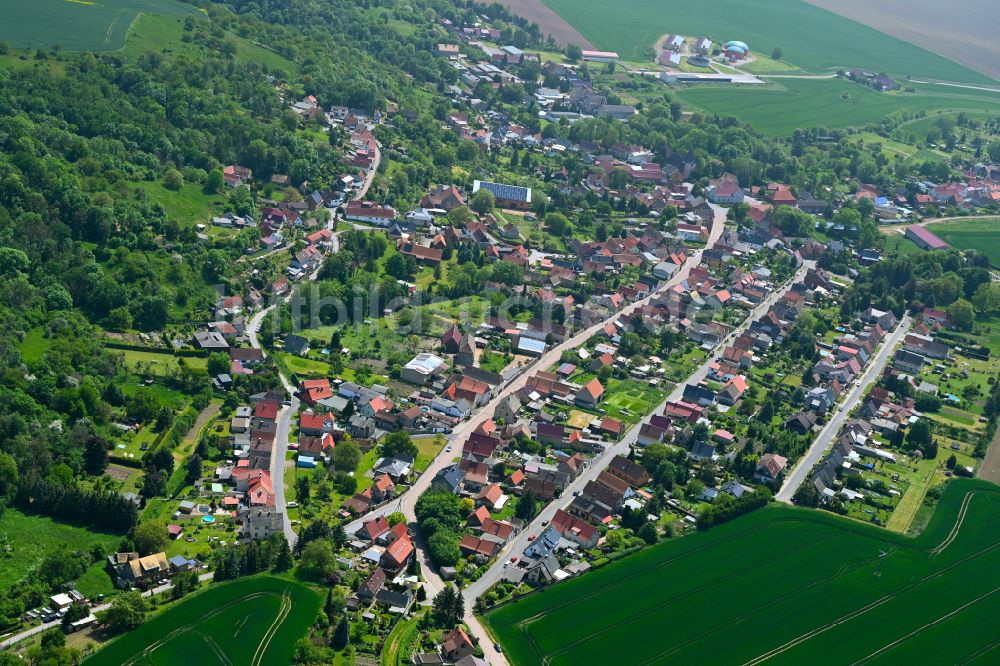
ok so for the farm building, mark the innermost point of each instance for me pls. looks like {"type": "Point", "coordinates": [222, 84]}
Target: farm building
{"type": "Point", "coordinates": [924, 238]}
{"type": "Point", "coordinates": [600, 56]}
{"type": "Point", "coordinates": [506, 196]}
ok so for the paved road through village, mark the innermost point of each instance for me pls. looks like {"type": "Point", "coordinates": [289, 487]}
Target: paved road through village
{"type": "Point", "coordinates": [517, 545]}
{"type": "Point", "coordinates": [832, 428]}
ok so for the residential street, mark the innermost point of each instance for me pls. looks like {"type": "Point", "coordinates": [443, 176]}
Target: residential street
{"type": "Point", "coordinates": [407, 502]}
{"type": "Point", "coordinates": [517, 545]}
{"type": "Point", "coordinates": [462, 432]}
{"type": "Point", "coordinates": [287, 412]}
{"type": "Point", "coordinates": [830, 430]}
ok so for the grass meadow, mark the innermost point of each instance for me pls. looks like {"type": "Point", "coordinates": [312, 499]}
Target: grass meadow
{"type": "Point", "coordinates": [252, 621]}
{"type": "Point", "coordinates": [78, 25]}
{"type": "Point", "coordinates": [811, 38]}
{"type": "Point", "coordinates": [981, 234]}
{"type": "Point", "coordinates": [27, 538]}
{"type": "Point", "coordinates": [781, 585]}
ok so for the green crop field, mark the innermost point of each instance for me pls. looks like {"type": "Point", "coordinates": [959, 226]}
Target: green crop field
{"type": "Point", "coordinates": [780, 585]}
{"type": "Point", "coordinates": [251, 621]}
{"type": "Point", "coordinates": [982, 235]}
{"type": "Point", "coordinates": [78, 25]}
{"type": "Point", "coordinates": [835, 103]}
{"type": "Point", "coordinates": [810, 37]}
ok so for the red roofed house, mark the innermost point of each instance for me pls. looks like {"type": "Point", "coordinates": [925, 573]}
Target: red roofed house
{"type": "Point", "coordinates": [419, 252]}
{"type": "Point", "coordinates": [315, 425]}
{"type": "Point", "coordinates": [382, 488]}
{"type": "Point", "coordinates": [733, 390]}
{"type": "Point", "coordinates": [769, 467]}
{"type": "Point", "coordinates": [491, 496]}
{"type": "Point", "coordinates": [366, 211]}
{"type": "Point", "coordinates": [683, 410]}
{"type": "Point", "coordinates": [256, 484]}
{"type": "Point", "coordinates": [446, 197]}
{"type": "Point", "coordinates": [373, 529]}
{"type": "Point", "coordinates": [451, 340]}
{"type": "Point", "coordinates": [478, 517]}
{"type": "Point", "coordinates": [780, 194]}
{"type": "Point", "coordinates": [470, 545]}
{"type": "Point", "coordinates": [590, 394]}
{"type": "Point", "coordinates": [612, 427]}
{"type": "Point", "coordinates": [267, 410]}
{"type": "Point", "coordinates": [574, 529]}
{"type": "Point", "coordinates": [314, 390]}
{"type": "Point", "coordinates": [397, 554]}
{"type": "Point", "coordinates": [235, 175]}
{"type": "Point", "coordinates": [500, 529]}
{"type": "Point", "coordinates": [457, 645]}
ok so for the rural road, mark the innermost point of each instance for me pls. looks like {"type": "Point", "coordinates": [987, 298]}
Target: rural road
{"type": "Point", "coordinates": [288, 411]}
{"type": "Point", "coordinates": [280, 450]}
{"type": "Point", "coordinates": [370, 176]}
{"type": "Point", "coordinates": [10, 641]}
{"type": "Point", "coordinates": [517, 545]}
{"type": "Point", "coordinates": [830, 431]}
{"type": "Point", "coordinates": [406, 503]}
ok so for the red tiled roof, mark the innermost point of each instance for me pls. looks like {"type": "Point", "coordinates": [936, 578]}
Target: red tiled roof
{"type": "Point", "coordinates": [399, 551]}
{"type": "Point", "coordinates": [267, 409]}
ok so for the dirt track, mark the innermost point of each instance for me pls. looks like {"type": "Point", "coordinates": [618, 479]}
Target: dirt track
{"type": "Point", "coordinates": [549, 22]}
{"type": "Point", "coordinates": [961, 30]}
{"type": "Point", "coordinates": [990, 467]}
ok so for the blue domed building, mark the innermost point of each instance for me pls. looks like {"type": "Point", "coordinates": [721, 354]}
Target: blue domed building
{"type": "Point", "coordinates": [736, 50]}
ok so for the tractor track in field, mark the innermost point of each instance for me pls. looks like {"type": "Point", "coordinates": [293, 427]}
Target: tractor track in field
{"type": "Point", "coordinates": [902, 639]}
{"type": "Point", "coordinates": [152, 647]}
{"type": "Point", "coordinates": [842, 570]}
{"type": "Point", "coordinates": [959, 519]}
{"type": "Point", "coordinates": [283, 611]}
{"type": "Point", "coordinates": [847, 617]}
{"type": "Point", "coordinates": [986, 649]}
{"type": "Point", "coordinates": [715, 581]}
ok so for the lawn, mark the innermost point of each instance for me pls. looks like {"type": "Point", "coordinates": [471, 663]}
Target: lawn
{"type": "Point", "coordinates": [781, 108]}
{"type": "Point", "coordinates": [900, 244]}
{"type": "Point", "coordinates": [780, 583]}
{"type": "Point", "coordinates": [427, 450]}
{"type": "Point", "coordinates": [305, 366]}
{"type": "Point", "coordinates": [160, 364]}
{"type": "Point", "coordinates": [982, 235]}
{"type": "Point", "coordinates": [78, 25]}
{"type": "Point", "coordinates": [28, 538]}
{"type": "Point", "coordinates": [811, 38]}
{"type": "Point", "coordinates": [251, 621]}
{"type": "Point", "coordinates": [189, 205]}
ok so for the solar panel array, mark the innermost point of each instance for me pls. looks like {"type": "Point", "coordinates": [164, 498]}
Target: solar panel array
{"type": "Point", "coordinates": [507, 192]}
